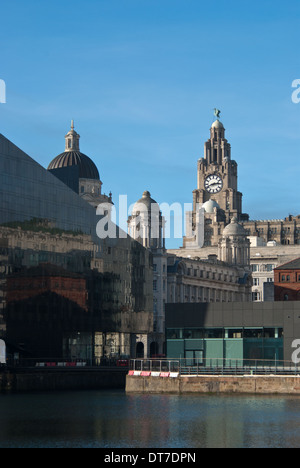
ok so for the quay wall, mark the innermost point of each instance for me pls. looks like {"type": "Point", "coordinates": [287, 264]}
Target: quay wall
{"type": "Point", "coordinates": [52, 380]}
{"type": "Point", "coordinates": [288, 385]}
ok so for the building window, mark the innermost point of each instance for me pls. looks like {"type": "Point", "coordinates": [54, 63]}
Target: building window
{"type": "Point", "coordinates": [214, 333]}
{"type": "Point", "coordinates": [256, 281]}
{"type": "Point", "coordinates": [174, 334]}
{"type": "Point", "coordinates": [253, 332]}
{"type": "Point", "coordinates": [235, 333]}
{"type": "Point", "coordinates": [255, 268]}
{"type": "Point", "coordinates": [155, 285]}
{"type": "Point", "coordinates": [256, 296]}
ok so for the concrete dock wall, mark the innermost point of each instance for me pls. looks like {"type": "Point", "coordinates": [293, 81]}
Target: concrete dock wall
{"type": "Point", "coordinates": [215, 384]}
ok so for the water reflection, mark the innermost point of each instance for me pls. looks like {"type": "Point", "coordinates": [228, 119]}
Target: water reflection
{"type": "Point", "coordinates": [114, 419]}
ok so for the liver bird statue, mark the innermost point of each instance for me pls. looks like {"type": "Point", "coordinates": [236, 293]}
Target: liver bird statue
{"type": "Point", "coordinates": [217, 113]}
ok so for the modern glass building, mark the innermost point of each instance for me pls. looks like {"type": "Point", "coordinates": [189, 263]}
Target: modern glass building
{"type": "Point", "coordinates": [28, 191]}
{"type": "Point", "coordinates": [214, 346]}
{"type": "Point", "coordinates": [221, 333]}
{"type": "Point", "coordinates": [42, 220]}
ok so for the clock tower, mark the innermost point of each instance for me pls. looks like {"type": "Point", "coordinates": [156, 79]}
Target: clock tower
{"type": "Point", "coordinates": [217, 190]}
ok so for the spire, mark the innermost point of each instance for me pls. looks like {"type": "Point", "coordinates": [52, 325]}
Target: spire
{"type": "Point", "coordinates": [72, 139]}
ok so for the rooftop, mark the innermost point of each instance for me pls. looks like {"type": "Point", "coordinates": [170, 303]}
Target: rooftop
{"type": "Point", "coordinates": [293, 265]}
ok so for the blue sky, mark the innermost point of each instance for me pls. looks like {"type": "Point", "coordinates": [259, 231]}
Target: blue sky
{"type": "Point", "coordinates": [141, 78]}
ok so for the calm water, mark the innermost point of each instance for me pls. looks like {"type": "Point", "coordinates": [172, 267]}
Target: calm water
{"type": "Point", "coordinates": [114, 420]}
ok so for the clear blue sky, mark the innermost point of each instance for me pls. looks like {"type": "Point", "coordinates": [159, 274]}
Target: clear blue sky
{"type": "Point", "coordinates": [141, 78]}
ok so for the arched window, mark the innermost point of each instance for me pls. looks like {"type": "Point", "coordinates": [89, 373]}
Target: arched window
{"type": "Point", "coordinates": [286, 297]}
{"type": "Point", "coordinates": [140, 350]}
{"type": "Point", "coordinates": [153, 349]}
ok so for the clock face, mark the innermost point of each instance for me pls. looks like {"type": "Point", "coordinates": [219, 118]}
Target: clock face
{"type": "Point", "coordinates": [213, 183]}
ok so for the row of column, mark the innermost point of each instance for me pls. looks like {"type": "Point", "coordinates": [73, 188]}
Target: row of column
{"type": "Point", "coordinates": [186, 294]}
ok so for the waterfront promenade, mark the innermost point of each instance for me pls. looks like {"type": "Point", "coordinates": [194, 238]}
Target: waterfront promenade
{"type": "Point", "coordinates": [156, 376]}
{"type": "Point", "coordinates": [219, 376]}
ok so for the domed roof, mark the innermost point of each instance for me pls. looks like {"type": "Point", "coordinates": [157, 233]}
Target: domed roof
{"type": "Point", "coordinates": [234, 229]}
{"type": "Point", "coordinates": [87, 169]}
{"type": "Point", "coordinates": [210, 205]}
{"type": "Point", "coordinates": [217, 124]}
{"type": "Point", "coordinates": [73, 157]}
{"type": "Point", "coordinates": [147, 201]}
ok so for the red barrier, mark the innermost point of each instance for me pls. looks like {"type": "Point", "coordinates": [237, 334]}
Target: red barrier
{"type": "Point", "coordinates": [123, 363]}
{"type": "Point", "coordinates": [165, 374]}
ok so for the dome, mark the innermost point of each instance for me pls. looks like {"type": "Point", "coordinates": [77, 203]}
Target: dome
{"type": "Point", "coordinates": [210, 205]}
{"type": "Point", "coordinates": [217, 124]}
{"type": "Point", "coordinates": [73, 157]}
{"type": "Point", "coordinates": [87, 169]}
{"type": "Point", "coordinates": [147, 201]}
{"type": "Point", "coordinates": [234, 229]}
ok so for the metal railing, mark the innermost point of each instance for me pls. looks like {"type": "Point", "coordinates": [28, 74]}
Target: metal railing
{"type": "Point", "coordinates": [155, 365]}
{"type": "Point", "coordinates": [216, 366]}
{"type": "Point", "coordinates": [182, 366]}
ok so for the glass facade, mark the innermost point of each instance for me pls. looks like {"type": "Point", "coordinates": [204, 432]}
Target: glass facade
{"type": "Point", "coordinates": [44, 221]}
{"type": "Point", "coordinates": [219, 346]}
{"type": "Point", "coordinates": [28, 191]}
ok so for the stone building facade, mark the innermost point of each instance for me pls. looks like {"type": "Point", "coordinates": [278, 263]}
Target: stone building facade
{"type": "Point", "coordinates": [222, 277]}
{"type": "Point", "coordinates": [194, 281]}
{"type": "Point", "coordinates": [146, 226]}
{"type": "Point", "coordinates": [217, 190]}
{"type": "Point", "coordinates": [281, 231]}
{"type": "Point", "coordinates": [272, 242]}
{"type": "Point", "coordinates": [263, 261]}
{"type": "Point", "coordinates": [217, 193]}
